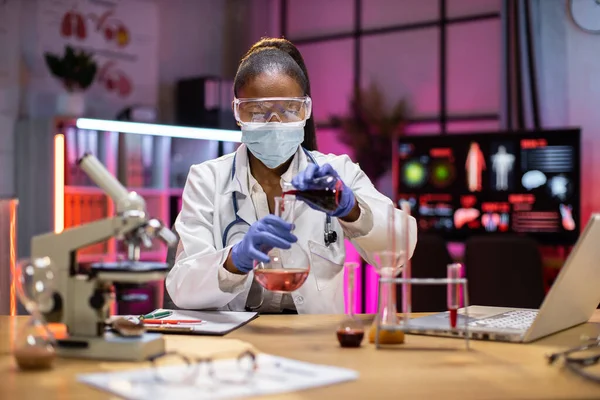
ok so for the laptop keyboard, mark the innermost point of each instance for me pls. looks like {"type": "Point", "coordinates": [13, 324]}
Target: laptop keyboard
{"type": "Point", "coordinates": [518, 319]}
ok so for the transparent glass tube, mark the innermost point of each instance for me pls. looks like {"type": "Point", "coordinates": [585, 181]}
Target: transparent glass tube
{"type": "Point", "coordinates": [454, 271]}
{"type": "Point", "coordinates": [284, 207]}
{"type": "Point", "coordinates": [407, 269]}
{"type": "Point", "coordinates": [351, 268]}
{"type": "Point", "coordinates": [388, 312]}
{"type": "Point", "coordinates": [350, 332]}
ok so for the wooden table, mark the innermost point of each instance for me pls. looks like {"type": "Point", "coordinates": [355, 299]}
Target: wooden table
{"type": "Point", "coordinates": [424, 367]}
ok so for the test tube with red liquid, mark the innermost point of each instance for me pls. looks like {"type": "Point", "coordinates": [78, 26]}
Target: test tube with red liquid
{"type": "Point", "coordinates": [454, 273]}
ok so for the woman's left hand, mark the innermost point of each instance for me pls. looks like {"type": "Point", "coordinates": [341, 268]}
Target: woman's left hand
{"type": "Point", "coordinates": [305, 180]}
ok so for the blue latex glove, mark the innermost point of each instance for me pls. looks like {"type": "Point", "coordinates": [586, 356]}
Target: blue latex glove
{"type": "Point", "coordinates": [305, 180]}
{"type": "Point", "coordinates": [263, 235]}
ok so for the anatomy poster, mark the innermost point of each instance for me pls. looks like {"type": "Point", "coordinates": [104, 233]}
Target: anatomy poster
{"type": "Point", "coordinates": [123, 35]}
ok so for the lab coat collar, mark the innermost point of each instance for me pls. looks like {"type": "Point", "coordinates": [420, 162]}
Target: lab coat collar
{"type": "Point", "coordinates": [238, 178]}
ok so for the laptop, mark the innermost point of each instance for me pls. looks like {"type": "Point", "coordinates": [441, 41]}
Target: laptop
{"type": "Point", "coordinates": [571, 301]}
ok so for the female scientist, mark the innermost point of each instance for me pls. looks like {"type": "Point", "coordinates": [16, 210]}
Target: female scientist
{"type": "Point", "coordinates": [227, 203]}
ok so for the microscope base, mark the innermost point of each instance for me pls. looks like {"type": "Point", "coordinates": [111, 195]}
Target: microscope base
{"type": "Point", "coordinates": [112, 347]}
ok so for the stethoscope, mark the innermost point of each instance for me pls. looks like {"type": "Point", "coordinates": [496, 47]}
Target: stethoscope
{"type": "Point", "coordinates": [330, 236]}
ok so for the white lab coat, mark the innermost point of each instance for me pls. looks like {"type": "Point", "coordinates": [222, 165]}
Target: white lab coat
{"type": "Point", "coordinates": [207, 209]}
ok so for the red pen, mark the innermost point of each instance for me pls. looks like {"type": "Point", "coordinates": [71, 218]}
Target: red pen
{"type": "Point", "coordinates": [171, 321]}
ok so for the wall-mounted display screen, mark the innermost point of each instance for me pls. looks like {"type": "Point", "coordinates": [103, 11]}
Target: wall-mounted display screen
{"type": "Point", "coordinates": [520, 182]}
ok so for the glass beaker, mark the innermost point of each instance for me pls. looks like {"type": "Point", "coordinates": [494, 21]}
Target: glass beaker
{"type": "Point", "coordinates": [35, 345]}
{"type": "Point", "coordinates": [287, 269]}
{"type": "Point", "coordinates": [388, 265]}
{"type": "Point", "coordinates": [327, 199]}
{"type": "Point", "coordinates": [350, 332]}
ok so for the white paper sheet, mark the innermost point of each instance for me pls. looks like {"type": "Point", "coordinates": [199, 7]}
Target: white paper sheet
{"type": "Point", "coordinates": [215, 322]}
{"type": "Point", "coordinates": [274, 375]}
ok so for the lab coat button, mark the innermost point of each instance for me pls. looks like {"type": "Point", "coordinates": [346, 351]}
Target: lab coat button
{"type": "Point", "coordinates": [299, 299]}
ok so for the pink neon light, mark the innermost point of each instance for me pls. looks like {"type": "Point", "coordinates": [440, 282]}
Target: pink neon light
{"type": "Point", "coordinates": [371, 286]}
{"type": "Point", "coordinates": [353, 256]}
{"type": "Point", "coordinates": [371, 289]}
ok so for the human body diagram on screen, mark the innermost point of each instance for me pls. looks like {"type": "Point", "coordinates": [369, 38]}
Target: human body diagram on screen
{"type": "Point", "coordinates": [475, 166]}
{"type": "Point", "coordinates": [502, 164]}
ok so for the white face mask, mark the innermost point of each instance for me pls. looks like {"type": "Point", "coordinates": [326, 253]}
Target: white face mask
{"type": "Point", "coordinates": [273, 143]}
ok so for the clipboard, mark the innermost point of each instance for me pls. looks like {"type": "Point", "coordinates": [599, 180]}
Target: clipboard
{"type": "Point", "coordinates": [215, 323]}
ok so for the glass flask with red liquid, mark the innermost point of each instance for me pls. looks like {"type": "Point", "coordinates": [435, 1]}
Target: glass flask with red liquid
{"type": "Point", "coordinates": [287, 269]}
{"type": "Point", "coordinates": [351, 331]}
{"type": "Point", "coordinates": [326, 199]}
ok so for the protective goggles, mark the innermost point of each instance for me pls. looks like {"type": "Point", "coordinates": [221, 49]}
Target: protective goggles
{"type": "Point", "coordinates": [272, 109]}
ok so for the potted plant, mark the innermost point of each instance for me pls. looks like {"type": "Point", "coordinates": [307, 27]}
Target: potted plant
{"type": "Point", "coordinates": [76, 69]}
{"type": "Point", "coordinates": [371, 128]}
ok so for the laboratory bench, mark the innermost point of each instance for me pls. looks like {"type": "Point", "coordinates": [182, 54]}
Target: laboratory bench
{"type": "Point", "coordinates": [423, 367]}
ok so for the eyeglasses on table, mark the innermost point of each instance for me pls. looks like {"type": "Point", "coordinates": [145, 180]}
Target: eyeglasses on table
{"type": "Point", "coordinates": [579, 359]}
{"type": "Point", "coordinates": [167, 368]}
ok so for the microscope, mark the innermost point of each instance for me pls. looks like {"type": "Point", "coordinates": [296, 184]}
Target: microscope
{"type": "Point", "coordinates": [82, 297]}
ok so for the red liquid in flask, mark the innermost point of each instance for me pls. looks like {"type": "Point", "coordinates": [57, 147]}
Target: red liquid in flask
{"type": "Point", "coordinates": [281, 280]}
{"type": "Point", "coordinates": [350, 337]}
{"type": "Point", "coordinates": [453, 317]}
{"type": "Point", "coordinates": [324, 198]}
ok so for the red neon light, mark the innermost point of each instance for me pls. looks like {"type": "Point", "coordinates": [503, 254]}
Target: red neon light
{"type": "Point", "coordinates": [521, 198]}
{"type": "Point", "coordinates": [13, 256]}
{"type": "Point", "coordinates": [445, 152]}
{"type": "Point", "coordinates": [59, 183]}
{"type": "Point", "coordinates": [468, 201]}
{"type": "Point", "coordinates": [495, 207]}
{"type": "Point", "coordinates": [533, 143]}
{"type": "Point", "coordinates": [432, 198]}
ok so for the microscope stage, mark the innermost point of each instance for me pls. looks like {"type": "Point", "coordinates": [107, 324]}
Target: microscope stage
{"type": "Point", "coordinates": [130, 266]}
{"type": "Point", "coordinates": [112, 347]}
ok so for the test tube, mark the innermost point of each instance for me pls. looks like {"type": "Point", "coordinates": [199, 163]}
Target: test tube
{"type": "Point", "coordinates": [407, 270]}
{"type": "Point", "coordinates": [454, 272]}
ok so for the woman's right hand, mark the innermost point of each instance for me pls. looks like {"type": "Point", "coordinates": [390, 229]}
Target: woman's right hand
{"type": "Point", "coordinates": [263, 235]}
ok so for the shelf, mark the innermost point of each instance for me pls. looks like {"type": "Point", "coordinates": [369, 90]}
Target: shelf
{"type": "Point", "coordinates": [83, 190]}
